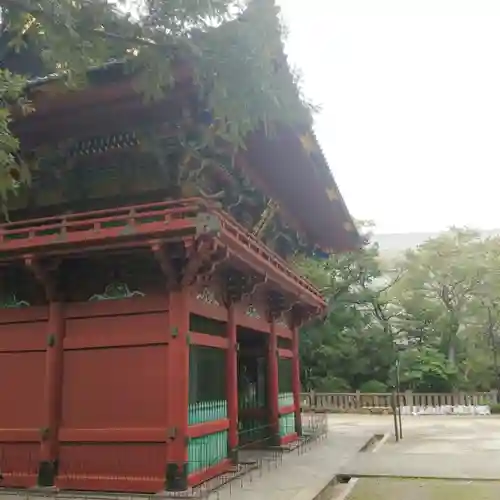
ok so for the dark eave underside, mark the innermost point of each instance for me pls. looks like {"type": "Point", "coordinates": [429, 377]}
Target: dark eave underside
{"type": "Point", "coordinates": [301, 183]}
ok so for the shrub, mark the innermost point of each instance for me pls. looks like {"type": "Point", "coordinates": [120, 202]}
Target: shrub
{"type": "Point", "coordinates": [332, 384]}
{"type": "Point", "coordinates": [495, 409]}
{"type": "Point", "coordinates": [373, 386]}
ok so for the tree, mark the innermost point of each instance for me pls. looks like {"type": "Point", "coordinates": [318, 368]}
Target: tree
{"type": "Point", "coordinates": [350, 347]}
{"type": "Point", "coordinates": [439, 279]}
{"type": "Point", "coordinates": [447, 296]}
{"type": "Point", "coordinates": [232, 51]}
{"type": "Point", "coordinates": [442, 297]}
{"type": "Point", "coordinates": [484, 312]}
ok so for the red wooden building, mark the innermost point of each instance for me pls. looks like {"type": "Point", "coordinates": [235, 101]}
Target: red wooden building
{"type": "Point", "coordinates": [146, 333]}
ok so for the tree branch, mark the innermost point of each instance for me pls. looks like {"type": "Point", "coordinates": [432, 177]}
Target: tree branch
{"type": "Point", "coordinates": [38, 12]}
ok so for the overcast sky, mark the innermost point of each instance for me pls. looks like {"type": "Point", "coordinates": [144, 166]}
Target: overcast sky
{"type": "Point", "coordinates": [410, 97]}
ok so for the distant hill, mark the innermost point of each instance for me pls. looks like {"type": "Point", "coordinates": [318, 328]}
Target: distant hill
{"type": "Point", "coordinates": [396, 243]}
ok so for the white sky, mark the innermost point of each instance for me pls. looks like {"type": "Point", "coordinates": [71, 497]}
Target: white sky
{"type": "Point", "coordinates": [410, 97]}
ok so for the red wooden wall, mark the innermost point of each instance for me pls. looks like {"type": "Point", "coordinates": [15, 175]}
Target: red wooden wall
{"type": "Point", "coordinates": [114, 409]}
{"type": "Point", "coordinates": [23, 341]}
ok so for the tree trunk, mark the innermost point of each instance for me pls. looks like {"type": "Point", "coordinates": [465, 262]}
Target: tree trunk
{"type": "Point", "coordinates": [452, 342]}
{"type": "Point", "coordinates": [494, 347]}
{"type": "Point", "coordinates": [452, 351]}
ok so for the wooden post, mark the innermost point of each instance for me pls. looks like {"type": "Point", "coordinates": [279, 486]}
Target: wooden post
{"type": "Point", "coordinates": [49, 452]}
{"type": "Point", "coordinates": [232, 383]}
{"type": "Point", "coordinates": [358, 400]}
{"type": "Point", "coordinates": [53, 380]}
{"type": "Point", "coordinates": [273, 383]}
{"type": "Point", "coordinates": [178, 391]}
{"type": "Point", "coordinates": [296, 380]}
{"type": "Point", "coordinates": [494, 396]}
{"type": "Point", "coordinates": [409, 399]}
{"type": "Point", "coordinates": [313, 400]}
{"type": "Point", "coordinates": [462, 400]}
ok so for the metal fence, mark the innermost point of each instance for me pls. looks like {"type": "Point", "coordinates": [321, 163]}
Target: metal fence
{"type": "Point", "coordinates": [254, 461]}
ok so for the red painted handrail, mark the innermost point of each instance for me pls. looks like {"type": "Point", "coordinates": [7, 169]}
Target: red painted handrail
{"type": "Point", "coordinates": [75, 228]}
{"type": "Point", "coordinates": [242, 235]}
{"type": "Point", "coordinates": [169, 215]}
{"type": "Point", "coordinates": [105, 213]}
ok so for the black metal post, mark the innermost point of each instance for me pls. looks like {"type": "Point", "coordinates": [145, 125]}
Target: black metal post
{"type": "Point", "coordinates": [398, 393]}
{"type": "Point", "coordinates": [393, 404]}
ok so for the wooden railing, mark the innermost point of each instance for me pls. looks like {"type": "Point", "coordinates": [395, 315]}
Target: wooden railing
{"type": "Point", "coordinates": [249, 240]}
{"type": "Point", "coordinates": [352, 401]}
{"type": "Point", "coordinates": [90, 229]}
{"type": "Point", "coordinates": [98, 225]}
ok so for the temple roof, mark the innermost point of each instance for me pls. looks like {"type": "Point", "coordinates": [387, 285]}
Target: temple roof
{"type": "Point", "coordinates": [289, 165]}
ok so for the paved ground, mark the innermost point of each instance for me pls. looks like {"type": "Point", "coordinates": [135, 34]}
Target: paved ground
{"type": "Point", "coordinates": [433, 447]}
{"type": "Point", "coordinates": [472, 443]}
{"type": "Point", "coordinates": [437, 447]}
{"type": "Point", "coordinates": [422, 489]}
{"type": "Point", "coordinates": [304, 476]}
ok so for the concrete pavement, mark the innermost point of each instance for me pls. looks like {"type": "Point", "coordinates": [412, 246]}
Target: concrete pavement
{"type": "Point", "coordinates": [440, 458]}
{"type": "Point", "coordinates": [436, 447]}
{"type": "Point", "coordinates": [301, 477]}
{"type": "Point", "coordinates": [424, 489]}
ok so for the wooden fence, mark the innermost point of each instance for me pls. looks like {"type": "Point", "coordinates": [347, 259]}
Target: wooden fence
{"type": "Point", "coordinates": [324, 401]}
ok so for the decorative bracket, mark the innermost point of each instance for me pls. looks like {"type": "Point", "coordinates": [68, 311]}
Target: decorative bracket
{"type": "Point", "coordinates": [302, 315]}
{"type": "Point", "coordinates": [207, 225]}
{"type": "Point", "coordinates": [277, 305]}
{"type": "Point", "coordinates": [198, 253]}
{"type": "Point", "coordinates": [187, 262]}
{"type": "Point", "coordinates": [164, 259]}
{"type": "Point", "coordinates": [44, 273]}
{"type": "Point", "coordinates": [237, 285]}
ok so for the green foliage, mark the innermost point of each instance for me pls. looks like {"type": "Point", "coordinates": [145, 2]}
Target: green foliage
{"type": "Point", "coordinates": [425, 369]}
{"type": "Point", "coordinates": [442, 298]}
{"type": "Point", "coordinates": [495, 409]}
{"type": "Point", "coordinates": [332, 384]}
{"type": "Point", "coordinates": [12, 170]}
{"type": "Point", "coordinates": [373, 386]}
{"type": "Point", "coordinates": [234, 50]}
{"type": "Point", "coordinates": [350, 344]}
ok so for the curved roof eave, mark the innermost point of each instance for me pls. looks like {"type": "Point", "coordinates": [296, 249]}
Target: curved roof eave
{"type": "Point", "coordinates": [302, 181]}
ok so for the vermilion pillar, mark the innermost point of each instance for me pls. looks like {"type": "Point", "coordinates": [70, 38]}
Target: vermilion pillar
{"type": "Point", "coordinates": [296, 380]}
{"type": "Point", "coordinates": [272, 381]}
{"type": "Point", "coordinates": [52, 397]}
{"type": "Point", "coordinates": [232, 382]}
{"type": "Point", "coordinates": [178, 391]}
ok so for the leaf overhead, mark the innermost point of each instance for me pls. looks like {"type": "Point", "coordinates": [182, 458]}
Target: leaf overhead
{"type": "Point", "coordinates": [234, 50]}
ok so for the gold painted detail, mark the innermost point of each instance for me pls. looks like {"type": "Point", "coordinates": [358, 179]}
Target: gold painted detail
{"type": "Point", "coordinates": [308, 143]}
{"type": "Point", "coordinates": [116, 291]}
{"type": "Point", "coordinates": [12, 302]}
{"type": "Point", "coordinates": [252, 312]}
{"type": "Point", "coordinates": [207, 296]}
{"type": "Point", "coordinates": [332, 194]}
{"type": "Point", "coordinates": [281, 321]}
{"type": "Point", "coordinates": [266, 217]}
